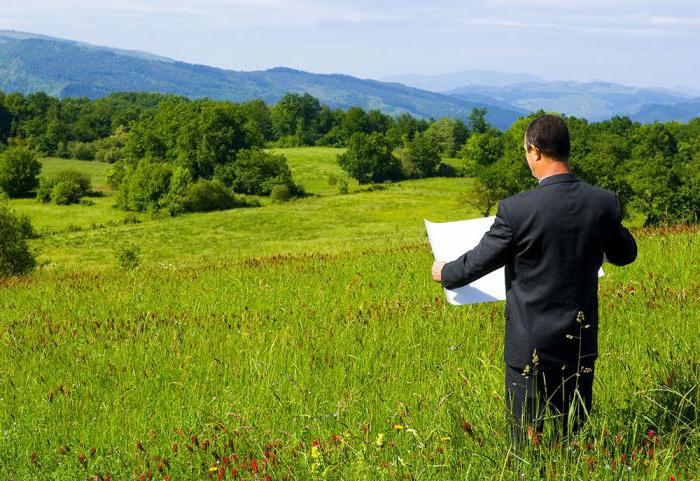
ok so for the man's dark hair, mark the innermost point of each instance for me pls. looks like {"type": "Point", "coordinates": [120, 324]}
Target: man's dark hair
{"type": "Point", "coordinates": [550, 135]}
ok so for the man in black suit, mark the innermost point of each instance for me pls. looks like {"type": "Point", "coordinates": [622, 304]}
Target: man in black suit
{"type": "Point", "coordinates": [552, 240]}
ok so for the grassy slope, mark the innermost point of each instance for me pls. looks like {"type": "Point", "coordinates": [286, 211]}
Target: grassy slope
{"type": "Point", "coordinates": [288, 350]}
{"type": "Point", "coordinates": [326, 222]}
{"type": "Point", "coordinates": [347, 337]}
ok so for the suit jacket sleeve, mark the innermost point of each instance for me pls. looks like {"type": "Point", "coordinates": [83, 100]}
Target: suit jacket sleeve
{"type": "Point", "coordinates": [619, 245]}
{"type": "Point", "coordinates": [491, 253]}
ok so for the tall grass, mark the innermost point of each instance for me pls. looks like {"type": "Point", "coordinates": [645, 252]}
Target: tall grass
{"type": "Point", "coordinates": [337, 366]}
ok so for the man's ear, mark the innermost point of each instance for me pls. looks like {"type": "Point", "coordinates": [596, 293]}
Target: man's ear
{"type": "Point", "coordinates": [538, 154]}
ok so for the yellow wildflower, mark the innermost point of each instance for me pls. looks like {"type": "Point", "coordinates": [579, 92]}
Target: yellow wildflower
{"type": "Point", "coordinates": [315, 453]}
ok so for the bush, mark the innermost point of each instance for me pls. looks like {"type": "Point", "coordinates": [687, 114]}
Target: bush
{"type": "Point", "coordinates": [343, 186]}
{"type": "Point", "coordinates": [65, 192]}
{"type": "Point", "coordinates": [128, 255]}
{"type": "Point", "coordinates": [142, 187]}
{"type": "Point", "coordinates": [26, 227]}
{"type": "Point", "coordinates": [207, 195]}
{"type": "Point", "coordinates": [65, 187]}
{"type": "Point", "coordinates": [81, 150]}
{"type": "Point", "coordinates": [280, 193]}
{"type": "Point", "coordinates": [370, 158]}
{"type": "Point", "coordinates": [256, 171]}
{"type": "Point", "coordinates": [19, 171]}
{"type": "Point", "coordinates": [110, 155]}
{"type": "Point", "coordinates": [15, 255]}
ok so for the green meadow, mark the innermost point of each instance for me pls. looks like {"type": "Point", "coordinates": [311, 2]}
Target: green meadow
{"type": "Point", "coordinates": [306, 340]}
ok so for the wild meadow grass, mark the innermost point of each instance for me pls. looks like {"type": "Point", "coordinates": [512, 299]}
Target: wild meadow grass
{"type": "Point", "coordinates": [306, 341]}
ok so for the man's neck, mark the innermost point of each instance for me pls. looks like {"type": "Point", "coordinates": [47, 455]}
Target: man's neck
{"type": "Point", "coordinates": [555, 168]}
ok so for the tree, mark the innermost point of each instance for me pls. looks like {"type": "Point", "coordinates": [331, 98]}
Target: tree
{"type": "Point", "coordinates": [448, 134]}
{"type": "Point", "coordinates": [422, 156]}
{"type": "Point", "coordinates": [482, 149]}
{"type": "Point", "coordinates": [477, 121]}
{"type": "Point", "coordinates": [216, 134]}
{"type": "Point", "coordinates": [295, 119]}
{"type": "Point", "coordinates": [19, 171]}
{"type": "Point", "coordinates": [655, 173]}
{"type": "Point", "coordinates": [15, 256]}
{"type": "Point", "coordinates": [370, 158]}
{"type": "Point", "coordinates": [404, 127]}
{"type": "Point", "coordinates": [5, 120]}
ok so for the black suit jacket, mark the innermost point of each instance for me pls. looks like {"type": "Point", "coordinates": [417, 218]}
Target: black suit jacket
{"type": "Point", "coordinates": [552, 240]}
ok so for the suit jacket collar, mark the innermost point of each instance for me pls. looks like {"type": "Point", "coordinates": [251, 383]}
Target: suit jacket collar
{"type": "Point", "coordinates": [557, 178]}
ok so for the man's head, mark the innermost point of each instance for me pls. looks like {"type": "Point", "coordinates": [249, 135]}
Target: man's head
{"type": "Point", "coordinates": [547, 145]}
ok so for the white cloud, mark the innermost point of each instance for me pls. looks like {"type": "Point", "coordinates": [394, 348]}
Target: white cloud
{"type": "Point", "coordinates": [692, 21]}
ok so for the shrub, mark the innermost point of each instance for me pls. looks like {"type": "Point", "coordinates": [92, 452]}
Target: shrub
{"type": "Point", "coordinates": [110, 155]}
{"type": "Point", "coordinates": [174, 200]}
{"type": "Point", "coordinates": [81, 150]}
{"type": "Point", "coordinates": [280, 193]}
{"type": "Point", "coordinates": [143, 186]}
{"type": "Point", "coordinates": [343, 186]}
{"type": "Point", "coordinates": [255, 172]}
{"type": "Point", "coordinates": [207, 195]}
{"type": "Point", "coordinates": [19, 171]}
{"type": "Point", "coordinates": [26, 227]}
{"type": "Point", "coordinates": [65, 187]}
{"type": "Point", "coordinates": [43, 193]}
{"type": "Point", "coordinates": [128, 255]}
{"type": "Point", "coordinates": [109, 149]}
{"type": "Point", "coordinates": [15, 256]}
{"type": "Point", "coordinates": [65, 192]}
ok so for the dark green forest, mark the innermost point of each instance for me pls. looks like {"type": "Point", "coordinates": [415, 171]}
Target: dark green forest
{"type": "Point", "coordinates": [172, 155]}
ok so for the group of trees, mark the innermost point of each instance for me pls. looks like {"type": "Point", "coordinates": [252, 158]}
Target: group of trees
{"type": "Point", "coordinates": [173, 154]}
{"type": "Point", "coordinates": [653, 168]}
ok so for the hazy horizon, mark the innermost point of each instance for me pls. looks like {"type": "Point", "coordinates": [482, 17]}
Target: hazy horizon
{"type": "Point", "coordinates": [637, 43]}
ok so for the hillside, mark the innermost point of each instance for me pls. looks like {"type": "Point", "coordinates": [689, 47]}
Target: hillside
{"type": "Point", "coordinates": [326, 221]}
{"type": "Point", "coordinates": [594, 101]}
{"type": "Point", "coordinates": [681, 111]}
{"type": "Point", "coordinates": [64, 68]}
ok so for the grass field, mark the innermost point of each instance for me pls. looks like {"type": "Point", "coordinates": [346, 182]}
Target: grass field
{"type": "Point", "coordinates": [306, 341]}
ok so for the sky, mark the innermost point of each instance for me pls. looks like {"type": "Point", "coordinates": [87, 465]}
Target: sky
{"type": "Point", "coordinates": [635, 42]}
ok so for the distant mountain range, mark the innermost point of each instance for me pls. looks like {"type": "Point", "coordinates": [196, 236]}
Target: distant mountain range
{"type": "Point", "coordinates": [592, 100]}
{"type": "Point", "coordinates": [451, 81]}
{"type": "Point", "coordinates": [66, 68]}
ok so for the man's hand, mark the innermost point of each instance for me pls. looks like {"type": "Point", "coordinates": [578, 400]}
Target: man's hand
{"type": "Point", "coordinates": [437, 270]}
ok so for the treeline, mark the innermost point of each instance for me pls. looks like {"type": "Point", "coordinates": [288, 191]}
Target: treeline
{"type": "Point", "coordinates": [82, 128]}
{"type": "Point", "coordinates": [171, 154]}
{"type": "Point", "coordinates": [653, 168]}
